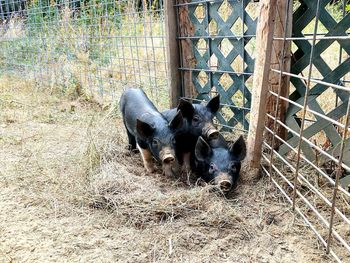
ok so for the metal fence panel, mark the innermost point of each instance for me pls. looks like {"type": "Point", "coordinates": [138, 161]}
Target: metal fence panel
{"type": "Point", "coordinates": [311, 166]}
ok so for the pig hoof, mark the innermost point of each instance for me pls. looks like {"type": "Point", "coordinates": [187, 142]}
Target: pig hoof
{"type": "Point", "coordinates": [188, 181]}
{"type": "Point", "coordinates": [187, 170]}
{"type": "Point", "coordinates": [135, 151]}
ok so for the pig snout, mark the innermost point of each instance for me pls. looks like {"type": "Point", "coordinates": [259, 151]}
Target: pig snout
{"type": "Point", "coordinates": [225, 186]}
{"type": "Point", "coordinates": [224, 182]}
{"type": "Point", "coordinates": [210, 132]}
{"type": "Point", "coordinates": [168, 159]}
{"type": "Point", "coordinates": [167, 155]}
{"type": "Point", "coordinates": [169, 163]}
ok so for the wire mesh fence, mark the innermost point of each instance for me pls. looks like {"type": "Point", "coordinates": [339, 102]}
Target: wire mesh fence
{"type": "Point", "coordinates": [97, 47]}
{"type": "Point", "coordinates": [309, 162]}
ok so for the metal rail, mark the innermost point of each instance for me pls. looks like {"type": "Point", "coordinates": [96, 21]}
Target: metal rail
{"type": "Point", "coordinates": [334, 210]}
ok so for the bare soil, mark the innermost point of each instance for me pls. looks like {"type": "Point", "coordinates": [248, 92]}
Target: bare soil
{"type": "Point", "coordinates": [71, 192]}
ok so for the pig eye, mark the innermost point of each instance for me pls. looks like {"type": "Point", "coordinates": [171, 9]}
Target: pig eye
{"type": "Point", "coordinates": [211, 168]}
{"type": "Point", "coordinates": [173, 141]}
{"type": "Point", "coordinates": [233, 167]}
{"type": "Point", "coordinates": [195, 119]}
{"type": "Point", "coordinates": [155, 143]}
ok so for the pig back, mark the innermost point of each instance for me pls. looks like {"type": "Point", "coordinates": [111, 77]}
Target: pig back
{"type": "Point", "coordinates": [134, 104]}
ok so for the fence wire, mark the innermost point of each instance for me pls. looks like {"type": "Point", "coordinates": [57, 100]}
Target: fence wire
{"type": "Point", "coordinates": [97, 47]}
{"type": "Point", "coordinates": [316, 184]}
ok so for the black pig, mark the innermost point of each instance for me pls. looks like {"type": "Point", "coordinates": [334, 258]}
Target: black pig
{"type": "Point", "coordinates": [198, 122]}
{"type": "Point", "coordinates": [149, 131]}
{"type": "Point", "coordinates": [219, 163]}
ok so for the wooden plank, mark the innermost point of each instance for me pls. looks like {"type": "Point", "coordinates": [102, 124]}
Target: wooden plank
{"type": "Point", "coordinates": [186, 28]}
{"type": "Point", "coordinates": [264, 38]}
{"type": "Point", "coordinates": [280, 48]}
{"type": "Point", "coordinates": [173, 54]}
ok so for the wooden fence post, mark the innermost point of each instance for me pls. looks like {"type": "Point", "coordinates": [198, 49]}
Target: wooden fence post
{"type": "Point", "coordinates": [186, 29]}
{"type": "Point", "coordinates": [264, 38]}
{"type": "Point", "coordinates": [173, 54]}
{"type": "Point", "coordinates": [280, 48]}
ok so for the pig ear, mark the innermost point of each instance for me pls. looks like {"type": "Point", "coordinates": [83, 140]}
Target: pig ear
{"type": "Point", "coordinates": [144, 129]}
{"type": "Point", "coordinates": [238, 148]}
{"type": "Point", "coordinates": [214, 104]}
{"type": "Point", "coordinates": [177, 121]}
{"type": "Point", "coordinates": [218, 142]}
{"type": "Point", "coordinates": [202, 150]}
{"type": "Point", "coordinates": [186, 108]}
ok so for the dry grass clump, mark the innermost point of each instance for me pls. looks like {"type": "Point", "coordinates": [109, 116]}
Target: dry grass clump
{"type": "Point", "coordinates": [142, 203]}
{"type": "Point", "coordinates": [119, 184]}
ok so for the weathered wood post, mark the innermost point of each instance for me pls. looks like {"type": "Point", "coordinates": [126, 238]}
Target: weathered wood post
{"type": "Point", "coordinates": [264, 38]}
{"type": "Point", "coordinates": [173, 53]}
{"type": "Point", "coordinates": [281, 53]}
{"type": "Point", "coordinates": [188, 61]}
{"type": "Point", "coordinates": [180, 52]}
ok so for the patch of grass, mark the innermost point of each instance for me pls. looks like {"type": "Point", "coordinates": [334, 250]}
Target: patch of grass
{"type": "Point", "coordinates": [74, 185]}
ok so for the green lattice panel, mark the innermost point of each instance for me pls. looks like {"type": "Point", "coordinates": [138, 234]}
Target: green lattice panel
{"type": "Point", "coordinates": [223, 48]}
{"type": "Point", "coordinates": [321, 99]}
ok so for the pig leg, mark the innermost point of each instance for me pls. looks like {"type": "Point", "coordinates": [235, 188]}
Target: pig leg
{"type": "Point", "coordinates": [146, 158]}
{"type": "Point", "coordinates": [187, 165]}
{"type": "Point", "coordinates": [132, 139]}
{"type": "Point", "coordinates": [187, 161]}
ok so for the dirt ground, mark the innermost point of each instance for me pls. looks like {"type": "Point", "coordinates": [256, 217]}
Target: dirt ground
{"type": "Point", "coordinates": [71, 192]}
